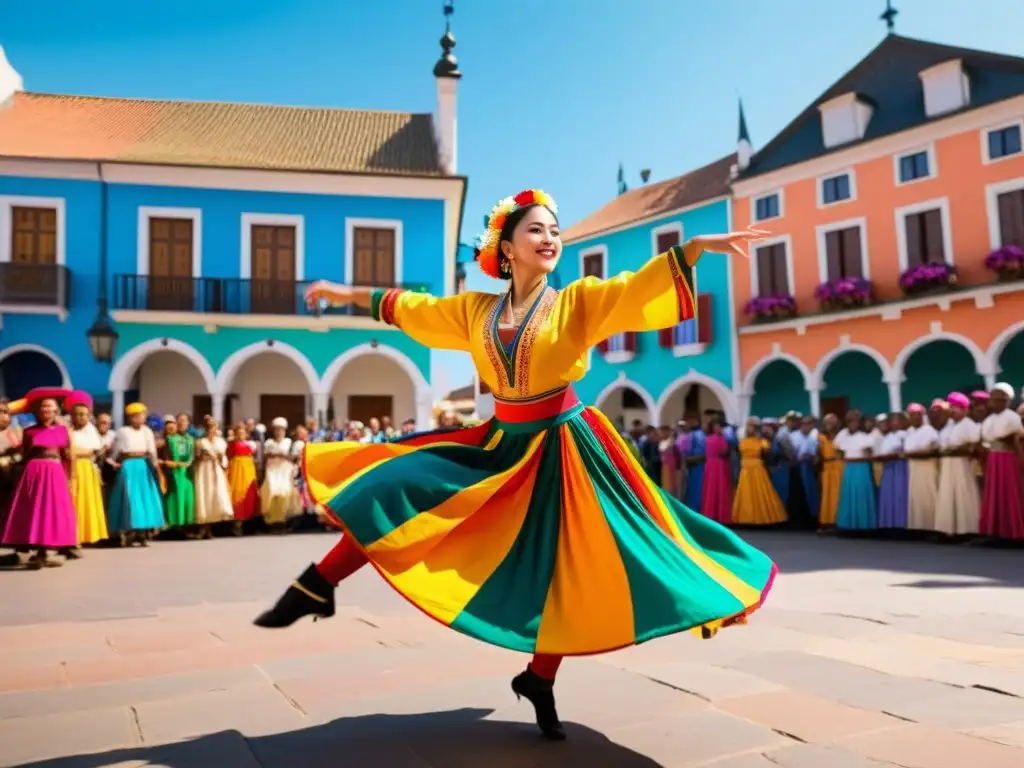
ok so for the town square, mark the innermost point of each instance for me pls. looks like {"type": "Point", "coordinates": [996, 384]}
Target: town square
{"type": "Point", "coordinates": [382, 384]}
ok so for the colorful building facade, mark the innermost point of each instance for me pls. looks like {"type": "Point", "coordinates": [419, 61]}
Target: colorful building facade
{"type": "Point", "coordinates": [660, 377]}
{"type": "Point", "coordinates": [896, 205]}
{"type": "Point", "coordinates": [200, 225]}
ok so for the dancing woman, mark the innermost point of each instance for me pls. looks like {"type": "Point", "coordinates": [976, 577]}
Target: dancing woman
{"type": "Point", "coordinates": [538, 530]}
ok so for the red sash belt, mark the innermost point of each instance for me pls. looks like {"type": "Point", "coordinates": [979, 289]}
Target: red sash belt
{"type": "Point", "coordinates": [546, 407]}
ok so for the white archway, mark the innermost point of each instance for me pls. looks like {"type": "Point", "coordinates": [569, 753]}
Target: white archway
{"type": "Point", "coordinates": [764, 362]}
{"type": "Point", "coordinates": [233, 364]}
{"type": "Point", "coordinates": [124, 369]}
{"type": "Point", "coordinates": [995, 349]}
{"type": "Point", "coordinates": [13, 350]}
{"type": "Point", "coordinates": [623, 383]}
{"type": "Point", "coordinates": [981, 362]}
{"type": "Point", "coordinates": [725, 395]}
{"type": "Point", "coordinates": [818, 375]}
{"type": "Point", "coordinates": [421, 387]}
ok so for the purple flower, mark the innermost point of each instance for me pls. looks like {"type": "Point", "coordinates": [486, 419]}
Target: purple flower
{"type": "Point", "coordinates": [927, 276]}
{"type": "Point", "coordinates": [843, 290]}
{"type": "Point", "coordinates": [1009, 257]}
{"type": "Point", "coordinates": [770, 306]}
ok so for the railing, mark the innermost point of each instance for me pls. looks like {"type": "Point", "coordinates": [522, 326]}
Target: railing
{"type": "Point", "coordinates": [34, 285]}
{"type": "Point", "coordinates": [222, 295]}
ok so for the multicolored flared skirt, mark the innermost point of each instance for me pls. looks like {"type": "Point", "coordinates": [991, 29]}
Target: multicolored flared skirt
{"type": "Point", "coordinates": [537, 531]}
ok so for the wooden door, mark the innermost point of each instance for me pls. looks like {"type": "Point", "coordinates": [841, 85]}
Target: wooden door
{"type": "Point", "coordinates": [202, 406]}
{"type": "Point", "coordinates": [374, 257]}
{"type": "Point", "coordinates": [33, 277]}
{"type": "Point", "coordinates": [171, 287]}
{"type": "Point", "coordinates": [273, 270]}
{"type": "Point", "coordinates": [291, 407]}
{"type": "Point", "coordinates": [835, 405]}
{"type": "Point", "coordinates": [365, 407]}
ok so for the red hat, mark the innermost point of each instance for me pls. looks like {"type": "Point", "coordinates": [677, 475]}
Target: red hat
{"type": "Point", "coordinates": [34, 396]}
{"type": "Point", "coordinates": [78, 397]}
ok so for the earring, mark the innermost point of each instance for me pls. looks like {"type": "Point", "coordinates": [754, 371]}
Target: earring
{"type": "Point", "coordinates": [506, 267]}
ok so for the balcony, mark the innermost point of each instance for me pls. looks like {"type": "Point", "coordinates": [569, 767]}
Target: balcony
{"type": "Point", "coordinates": [34, 288]}
{"type": "Point", "coordinates": [223, 296]}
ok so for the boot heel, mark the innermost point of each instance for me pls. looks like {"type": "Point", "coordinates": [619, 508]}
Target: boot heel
{"type": "Point", "coordinates": [310, 595]}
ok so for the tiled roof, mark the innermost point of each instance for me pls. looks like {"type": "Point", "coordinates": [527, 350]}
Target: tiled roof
{"type": "Point", "coordinates": [888, 79]}
{"type": "Point", "coordinates": [218, 134]}
{"type": "Point", "coordinates": [652, 200]}
{"type": "Point", "coordinates": [467, 392]}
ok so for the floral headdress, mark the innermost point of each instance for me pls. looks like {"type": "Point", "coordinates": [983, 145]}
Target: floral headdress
{"type": "Point", "coordinates": [488, 254]}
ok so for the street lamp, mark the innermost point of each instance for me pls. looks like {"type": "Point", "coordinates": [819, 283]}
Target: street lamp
{"type": "Point", "coordinates": [101, 334]}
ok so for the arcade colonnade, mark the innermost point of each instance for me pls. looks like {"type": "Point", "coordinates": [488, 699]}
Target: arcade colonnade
{"type": "Point", "coordinates": [218, 385]}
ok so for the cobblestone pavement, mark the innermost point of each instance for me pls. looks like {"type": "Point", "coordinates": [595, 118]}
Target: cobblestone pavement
{"type": "Point", "coordinates": [867, 654]}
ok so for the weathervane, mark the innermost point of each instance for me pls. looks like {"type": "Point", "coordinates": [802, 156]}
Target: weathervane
{"type": "Point", "coordinates": [449, 9]}
{"type": "Point", "coordinates": [889, 16]}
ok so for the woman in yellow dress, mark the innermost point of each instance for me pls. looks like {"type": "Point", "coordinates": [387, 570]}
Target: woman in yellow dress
{"type": "Point", "coordinates": [831, 472]}
{"type": "Point", "coordinates": [537, 530]}
{"type": "Point", "coordinates": [756, 501]}
{"type": "Point", "coordinates": [86, 485]}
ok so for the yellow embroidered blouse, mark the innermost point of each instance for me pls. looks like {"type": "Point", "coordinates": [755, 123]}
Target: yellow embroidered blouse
{"type": "Point", "coordinates": [550, 347]}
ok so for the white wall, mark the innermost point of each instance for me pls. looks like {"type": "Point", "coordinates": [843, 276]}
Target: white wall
{"type": "Point", "coordinates": [374, 375]}
{"type": "Point", "coordinates": [266, 374]}
{"type": "Point", "coordinates": [673, 409]}
{"type": "Point", "coordinates": [167, 381]}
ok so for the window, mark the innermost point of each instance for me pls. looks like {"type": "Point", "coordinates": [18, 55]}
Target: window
{"type": "Point", "coordinates": [914, 166]}
{"type": "Point", "coordinates": [272, 289]}
{"type": "Point", "coordinates": [844, 256]}
{"type": "Point", "coordinates": [593, 264]}
{"type": "Point", "coordinates": [373, 257]}
{"type": "Point", "coordinates": [767, 207]}
{"type": "Point", "coordinates": [33, 235]}
{"type": "Point", "coordinates": [1010, 206]}
{"type": "Point", "coordinates": [1004, 142]}
{"type": "Point", "coordinates": [667, 239]}
{"type": "Point", "coordinates": [772, 271]}
{"type": "Point", "coordinates": [171, 286]}
{"type": "Point", "coordinates": [696, 330]}
{"type": "Point", "coordinates": [925, 241]}
{"type": "Point", "coordinates": [835, 189]}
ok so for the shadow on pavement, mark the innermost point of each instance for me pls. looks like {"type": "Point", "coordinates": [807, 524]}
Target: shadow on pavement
{"type": "Point", "coordinates": [427, 740]}
{"type": "Point", "coordinates": [797, 552]}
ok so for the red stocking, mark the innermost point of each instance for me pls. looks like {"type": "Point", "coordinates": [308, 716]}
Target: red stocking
{"type": "Point", "coordinates": [342, 561]}
{"type": "Point", "coordinates": [545, 666]}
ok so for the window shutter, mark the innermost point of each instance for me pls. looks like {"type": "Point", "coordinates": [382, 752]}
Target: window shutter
{"type": "Point", "coordinates": [764, 270]}
{"type": "Point", "coordinates": [1011, 218]}
{"type": "Point", "coordinates": [833, 255]}
{"type": "Point", "coordinates": [781, 274]}
{"type": "Point", "coordinates": [704, 318]}
{"type": "Point", "coordinates": [667, 240]}
{"type": "Point", "coordinates": [665, 338]}
{"type": "Point", "coordinates": [851, 249]}
{"type": "Point", "coordinates": [913, 226]}
{"type": "Point", "coordinates": [602, 347]}
{"type": "Point", "coordinates": [935, 253]}
{"type": "Point", "coordinates": [630, 341]}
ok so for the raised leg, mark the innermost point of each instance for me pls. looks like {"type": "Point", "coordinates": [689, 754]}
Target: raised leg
{"type": "Point", "coordinates": [536, 684]}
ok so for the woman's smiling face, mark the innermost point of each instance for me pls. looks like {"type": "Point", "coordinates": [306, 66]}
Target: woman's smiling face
{"type": "Point", "coordinates": [536, 243]}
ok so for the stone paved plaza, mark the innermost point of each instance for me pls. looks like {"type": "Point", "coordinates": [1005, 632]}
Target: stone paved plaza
{"type": "Point", "coordinates": [867, 654]}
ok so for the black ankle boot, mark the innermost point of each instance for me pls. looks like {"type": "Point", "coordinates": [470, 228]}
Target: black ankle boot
{"type": "Point", "coordinates": [310, 595]}
{"type": "Point", "coordinates": [540, 693]}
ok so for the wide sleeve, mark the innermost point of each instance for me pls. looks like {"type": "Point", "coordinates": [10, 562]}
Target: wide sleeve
{"type": "Point", "coordinates": [439, 323]}
{"type": "Point", "coordinates": [658, 295]}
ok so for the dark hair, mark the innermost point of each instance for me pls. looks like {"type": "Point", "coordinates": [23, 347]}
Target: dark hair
{"type": "Point", "coordinates": [512, 221]}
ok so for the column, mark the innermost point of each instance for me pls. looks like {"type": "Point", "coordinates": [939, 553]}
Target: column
{"type": "Point", "coordinates": [990, 381]}
{"type": "Point", "coordinates": [320, 400]}
{"type": "Point", "coordinates": [117, 407]}
{"type": "Point", "coordinates": [815, 394]}
{"type": "Point", "coordinates": [217, 406]}
{"type": "Point", "coordinates": [744, 400]}
{"type": "Point", "coordinates": [895, 399]}
{"type": "Point", "coordinates": [424, 410]}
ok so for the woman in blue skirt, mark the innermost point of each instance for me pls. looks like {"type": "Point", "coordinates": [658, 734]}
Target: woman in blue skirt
{"type": "Point", "coordinates": [136, 511]}
{"type": "Point", "coordinates": [858, 510]}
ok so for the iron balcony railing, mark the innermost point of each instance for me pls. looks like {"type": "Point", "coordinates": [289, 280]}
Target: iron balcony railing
{"type": "Point", "coordinates": [35, 285]}
{"type": "Point", "coordinates": [222, 295]}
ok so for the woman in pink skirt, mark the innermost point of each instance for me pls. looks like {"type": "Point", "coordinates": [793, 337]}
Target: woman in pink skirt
{"type": "Point", "coordinates": [1002, 506]}
{"type": "Point", "coordinates": [716, 500]}
{"type": "Point", "coordinates": [42, 515]}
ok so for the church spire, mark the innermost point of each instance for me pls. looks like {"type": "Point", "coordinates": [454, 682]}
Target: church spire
{"type": "Point", "coordinates": [448, 65]}
{"type": "Point", "coordinates": [889, 17]}
{"type": "Point", "coordinates": [744, 149]}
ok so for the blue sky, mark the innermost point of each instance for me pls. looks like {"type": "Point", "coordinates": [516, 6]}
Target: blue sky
{"type": "Point", "coordinates": [554, 95]}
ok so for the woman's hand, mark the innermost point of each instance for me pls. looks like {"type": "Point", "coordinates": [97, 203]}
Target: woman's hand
{"type": "Point", "coordinates": [731, 244]}
{"type": "Point", "coordinates": [333, 293]}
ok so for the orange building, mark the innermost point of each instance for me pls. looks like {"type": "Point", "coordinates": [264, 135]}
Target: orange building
{"type": "Point", "coordinates": [896, 207]}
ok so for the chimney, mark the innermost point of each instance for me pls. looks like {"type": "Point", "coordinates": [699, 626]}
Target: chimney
{"type": "Point", "coordinates": [744, 151]}
{"type": "Point", "coordinates": [447, 74]}
{"type": "Point", "coordinates": [645, 175]}
{"type": "Point", "coordinates": [10, 82]}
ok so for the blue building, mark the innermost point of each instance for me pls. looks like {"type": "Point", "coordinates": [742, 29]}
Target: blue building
{"type": "Point", "coordinates": [660, 377]}
{"type": "Point", "coordinates": [199, 226]}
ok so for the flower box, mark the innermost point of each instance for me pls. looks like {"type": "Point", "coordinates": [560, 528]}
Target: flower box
{"type": "Point", "coordinates": [770, 309]}
{"type": "Point", "coordinates": [844, 293]}
{"type": "Point", "coordinates": [928, 278]}
{"type": "Point", "coordinates": [1007, 262]}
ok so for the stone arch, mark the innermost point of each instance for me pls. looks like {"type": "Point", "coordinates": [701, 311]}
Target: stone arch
{"type": "Point", "coordinates": [421, 387]}
{"type": "Point", "coordinates": [999, 344]}
{"type": "Point", "coordinates": [764, 362]}
{"type": "Point", "coordinates": [19, 348]}
{"type": "Point", "coordinates": [234, 362]}
{"type": "Point", "coordinates": [980, 358]}
{"type": "Point", "coordinates": [124, 369]}
{"type": "Point", "coordinates": [818, 375]}
{"type": "Point", "coordinates": [725, 395]}
{"type": "Point", "coordinates": [623, 383]}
